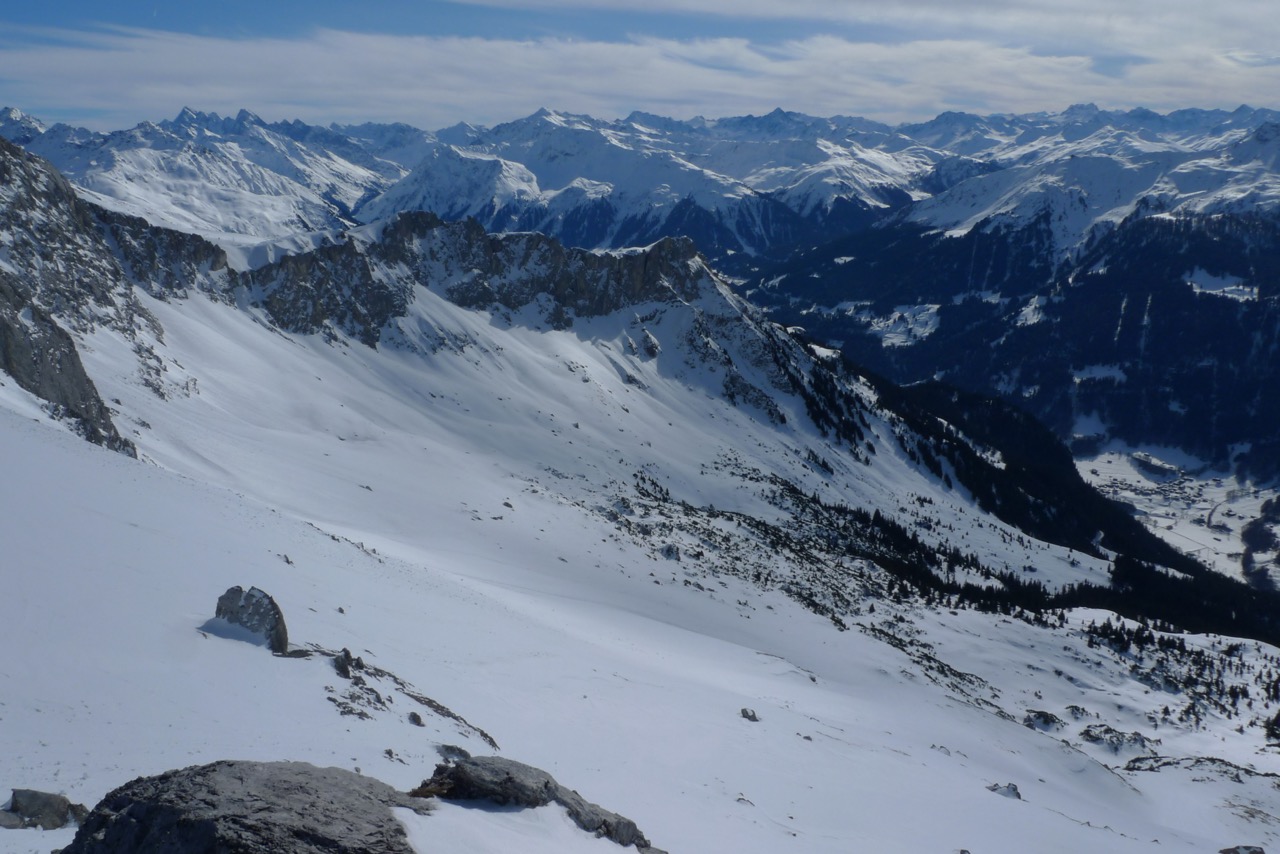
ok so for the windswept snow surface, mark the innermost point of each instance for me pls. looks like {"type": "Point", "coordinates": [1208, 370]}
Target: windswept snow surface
{"type": "Point", "coordinates": [438, 514]}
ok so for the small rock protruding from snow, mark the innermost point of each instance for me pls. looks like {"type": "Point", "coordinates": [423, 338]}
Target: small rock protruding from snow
{"type": "Point", "coordinates": [256, 611]}
{"type": "Point", "coordinates": [1008, 790]}
{"type": "Point", "coordinates": [344, 662]}
{"type": "Point", "coordinates": [750, 714]}
{"type": "Point", "coordinates": [1242, 849]}
{"type": "Point", "coordinates": [452, 753]}
{"type": "Point", "coordinates": [509, 783]}
{"type": "Point", "coordinates": [1117, 741]}
{"type": "Point", "coordinates": [1042, 720]}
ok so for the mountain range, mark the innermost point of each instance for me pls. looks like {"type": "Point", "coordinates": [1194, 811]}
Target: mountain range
{"type": "Point", "coordinates": [959, 248]}
{"type": "Point", "coordinates": [591, 496]}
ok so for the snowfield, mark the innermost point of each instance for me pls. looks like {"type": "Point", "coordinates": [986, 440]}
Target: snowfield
{"type": "Point", "coordinates": [433, 514]}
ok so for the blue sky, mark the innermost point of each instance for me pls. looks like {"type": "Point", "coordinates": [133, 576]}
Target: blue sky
{"type": "Point", "coordinates": [435, 63]}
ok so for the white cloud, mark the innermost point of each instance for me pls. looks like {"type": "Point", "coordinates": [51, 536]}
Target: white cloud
{"type": "Point", "coordinates": [114, 78]}
{"type": "Point", "coordinates": [1104, 26]}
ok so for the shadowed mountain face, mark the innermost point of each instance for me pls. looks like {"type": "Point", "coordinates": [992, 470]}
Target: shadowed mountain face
{"type": "Point", "coordinates": [1163, 330]}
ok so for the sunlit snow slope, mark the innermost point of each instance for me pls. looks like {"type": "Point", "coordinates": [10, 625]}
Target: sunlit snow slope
{"type": "Point", "coordinates": [628, 690]}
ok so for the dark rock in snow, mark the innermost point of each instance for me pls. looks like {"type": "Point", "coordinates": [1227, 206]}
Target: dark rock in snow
{"type": "Point", "coordinates": [344, 663]}
{"type": "Point", "coordinates": [29, 808]}
{"type": "Point", "coordinates": [256, 611]}
{"type": "Point", "coordinates": [248, 808]}
{"type": "Point", "coordinates": [507, 782]}
{"type": "Point", "coordinates": [1117, 741]}
{"type": "Point", "coordinates": [56, 264]}
{"type": "Point", "coordinates": [451, 752]}
{"type": "Point", "coordinates": [1243, 849]}
{"type": "Point", "coordinates": [751, 715]}
{"type": "Point", "coordinates": [1009, 790]}
{"type": "Point", "coordinates": [1042, 720]}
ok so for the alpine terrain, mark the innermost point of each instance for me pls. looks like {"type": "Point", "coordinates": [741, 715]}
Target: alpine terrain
{"type": "Point", "coordinates": [578, 444]}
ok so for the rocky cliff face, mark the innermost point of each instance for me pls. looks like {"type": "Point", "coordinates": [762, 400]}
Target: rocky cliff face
{"type": "Point", "coordinates": [358, 286]}
{"type": "Point", "coordinates": [162, 262]}
{"type": "Point", "coordinates": [51, 263]}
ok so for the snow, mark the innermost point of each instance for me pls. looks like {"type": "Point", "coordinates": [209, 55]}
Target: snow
{"type": "Point", "coordinates": [904, 326]}
{"type": "Point", "coordinates": [441, 507]}
{"type": "Point", "coordinates": [549, 830]}
{"type": "Point", "coordinates": [1196, 509]}
{"type": "Point", "coordinates": [442, 503]}
{"type": "Point", "coordinates": [1100, 372]}
{"type": "Point", "coordinates": [1033, 312]}
{"type": "Point", "coordinates": [238, 179]}
{"type": "Point", "coordinates": [1230, 287]}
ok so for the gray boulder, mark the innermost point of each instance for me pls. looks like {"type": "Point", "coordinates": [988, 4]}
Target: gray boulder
{"type": "Point", "coordinates": [257, 612]}
{"type": "Point", "coordinates": [29, 808]}
{"type": "Point", "coordinates": [248, 808]}
{"type": "Point", "coordinates": [507, 782]}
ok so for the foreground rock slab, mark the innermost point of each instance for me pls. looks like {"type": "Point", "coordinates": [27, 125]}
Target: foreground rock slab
{"type": "Point", "coordinates": [234, 807]}
{"type": "Point", "coordinates": [29, 808]}
{"type": "Point", "coordinates": [507, 782]}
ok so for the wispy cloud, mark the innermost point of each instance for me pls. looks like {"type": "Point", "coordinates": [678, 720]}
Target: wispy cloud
{"type": "Point", "coordinates": [1091, 25]}
{"type": "Point", "coordinates": [113, 78]}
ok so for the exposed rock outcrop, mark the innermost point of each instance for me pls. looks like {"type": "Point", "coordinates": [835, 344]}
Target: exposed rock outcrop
{"type": "Point", "coordinates": [55, 265]}
{"type": "Point", "coordinates": [29, 808]}
{"type": "Point", "coordinates": [1042, 720]}
{"type": "Point", "coordinates": [257, 612]}
{"type": "Point", "coordinates": [1117, 741]}
{"type": "Point", "coordinates": [359, 286]}
{"type": "Point", "coordinates": [507, 782]}
{"type": "Point", "coordinates": [248, 808]}
{"type": "Point", "coordinates": [41, 358]}
{"type": "Point", "coordinates": [1008, 790]}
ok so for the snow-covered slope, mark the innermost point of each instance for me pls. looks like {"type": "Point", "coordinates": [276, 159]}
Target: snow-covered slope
{"type": "Point", "coordinates": [735, 185]}
{"type": "Point", "coordinates": [627, 690]}
{"type": "Point", "coordinates": [758, 185]}
{"type": "Point", "coordinates": [238, 180]}
{"type": "Point", "coordinates": [1087, 169]}
{"type": "Point", "coordinates": [596, 506]}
